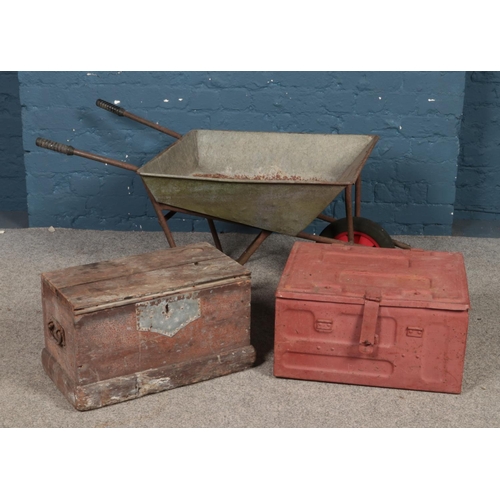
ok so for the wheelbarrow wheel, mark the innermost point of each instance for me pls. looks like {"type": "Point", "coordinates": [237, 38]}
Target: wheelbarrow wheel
{"type": "Point", "coordinates": [366, 232]}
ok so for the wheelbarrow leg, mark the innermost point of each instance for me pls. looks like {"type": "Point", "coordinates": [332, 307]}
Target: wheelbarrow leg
{"type": "Point", "coordinates": [326, 218]}
{"type": "Point", "coordinates": [357, 197]}
{"type": "Point", "coordinates": [319, 239]}
{"type": "Point", "coordinates": [348, 213]}
{"type": "Point", "coordinates": [162, 219]}
{"type": "Point", "coordinates": [256, 243]}
{"type": "Point", "coordinates": [215, 236]}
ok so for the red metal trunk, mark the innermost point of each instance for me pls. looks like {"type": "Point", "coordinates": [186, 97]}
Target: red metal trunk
{"type": "Point", "coordinates": [372, 316]}
{"type": "Point", "coordinates": [121, 329]}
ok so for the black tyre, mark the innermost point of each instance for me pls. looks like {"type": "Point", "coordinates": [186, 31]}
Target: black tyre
{"type": "Point", "coordinates": [366, 232]}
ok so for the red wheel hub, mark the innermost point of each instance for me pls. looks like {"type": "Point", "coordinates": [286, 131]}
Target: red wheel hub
{"type": "Point", "coordinates": [359, 239]}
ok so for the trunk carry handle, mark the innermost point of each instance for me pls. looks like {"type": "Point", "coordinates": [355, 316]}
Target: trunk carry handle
{"type": "Point", "coordinates": [369, 323]}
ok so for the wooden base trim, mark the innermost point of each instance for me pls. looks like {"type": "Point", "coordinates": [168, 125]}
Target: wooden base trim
{"type": "Point", "coordinates": [119, 389]}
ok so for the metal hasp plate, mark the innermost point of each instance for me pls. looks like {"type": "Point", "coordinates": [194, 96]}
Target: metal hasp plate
{"type": "Point", "coordinates": [121, 329]}
{"type": "Point", "coordinates": [380, 317]}
{"type": "Point", "coordinates": [275, 181]}
{"type": "Point", "coordinates": [167, 316]}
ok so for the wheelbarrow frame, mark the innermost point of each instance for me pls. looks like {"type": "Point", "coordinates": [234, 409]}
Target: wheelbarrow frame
{"type": "Point", "coordinates": [171, 211]}
{"type": "Point", "coordinates": [163, 219]}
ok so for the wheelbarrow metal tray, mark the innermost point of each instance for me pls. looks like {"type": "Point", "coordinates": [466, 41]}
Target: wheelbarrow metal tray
{"type": "Point", "coordinates": [274, 181]}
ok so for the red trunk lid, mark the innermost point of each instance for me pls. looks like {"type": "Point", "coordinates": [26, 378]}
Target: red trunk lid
{"type": "Point", "coordinates": [400, 278]}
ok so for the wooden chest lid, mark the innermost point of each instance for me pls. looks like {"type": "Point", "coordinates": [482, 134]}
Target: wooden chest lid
{"type": "Point", "coordinates": [111, 283]}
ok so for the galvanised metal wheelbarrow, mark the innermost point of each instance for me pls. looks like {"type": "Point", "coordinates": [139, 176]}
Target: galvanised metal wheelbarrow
{"type": "Point", "coordinates": [273, 181]}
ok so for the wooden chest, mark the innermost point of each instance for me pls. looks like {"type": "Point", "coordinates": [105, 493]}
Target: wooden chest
{"type": "Point", "coordinates": [121, 329]}
{"type": "Point", "coordinates": [372, 316]}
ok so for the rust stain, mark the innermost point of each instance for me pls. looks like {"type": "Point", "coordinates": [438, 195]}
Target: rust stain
{"type": "Point", "coordinates": [262, 177]}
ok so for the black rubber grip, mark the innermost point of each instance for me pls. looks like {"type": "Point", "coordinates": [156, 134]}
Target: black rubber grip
{"type": "Point", "coordinates": [109, 107]}
{"type": "Point", "coordinates": [55, 146]}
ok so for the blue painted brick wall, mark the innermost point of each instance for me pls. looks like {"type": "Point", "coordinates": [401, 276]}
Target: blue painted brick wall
{"type": "Point", "coordinates": [478, 180]}
{"type": "Point", "coordinates": [408, 182]}
{"type": "Point", "coordinates": [12, 175]}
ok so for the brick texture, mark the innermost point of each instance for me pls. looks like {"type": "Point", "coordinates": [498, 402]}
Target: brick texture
{"type": "Point", "coordinates": [478, 179]}
{"type": "Point", "coordinates": [408, 182]}
{"type": "Point", "coordinates": [12, 174]}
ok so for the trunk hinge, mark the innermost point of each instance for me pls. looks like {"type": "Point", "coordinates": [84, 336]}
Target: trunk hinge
{"type": "Point", "coordinates": [369, 323]}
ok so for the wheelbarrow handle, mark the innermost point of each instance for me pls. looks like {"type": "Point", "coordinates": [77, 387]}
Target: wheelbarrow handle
{"type": "Point", "coordinates": [123, 112]}
{"type": "Point", "coordinates": [110, 107]}
{"type": "Point", "coordinates": [55, 146]}
{"type": "Point", "coordinates": [70, 150]}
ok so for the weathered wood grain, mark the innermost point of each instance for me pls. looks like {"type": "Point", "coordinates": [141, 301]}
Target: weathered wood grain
{"type": "Point", "coordinates": [161, 259]}
{"type": "Point", "coordinates": [135, 385]}
{"type": "Point", "coordinates": [114, 350]}
{"type": "Point", "coordinates": [142, 284]}
{"type": "Point", "coordinates": [146, 275]}
{"type": "Point", "coordinates": [110, 344]}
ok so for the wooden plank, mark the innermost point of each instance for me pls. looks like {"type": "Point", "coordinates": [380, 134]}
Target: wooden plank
{"type": "Point", "coordinates": [188, 289]}
{"type": "Point", "coordinates": [112, 346]}
{"type": "Point", "coordinates": [157, 281]}
{"type": "Point", "coordinates": [124, 266]}
{"type": "Point", "coordinates": [136, 385]}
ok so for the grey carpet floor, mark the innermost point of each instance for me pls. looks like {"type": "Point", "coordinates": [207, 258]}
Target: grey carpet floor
{"type": "Point", "coordinates": [252, 398]}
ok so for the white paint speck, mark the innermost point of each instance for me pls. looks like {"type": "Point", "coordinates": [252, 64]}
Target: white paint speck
{"type": "Point", "coordinates": [164, 100]}
{"type": "Point", "coordinates": [400, 127]}
{"type": "Point", "coordinates": [67, 140]}
{"type": "Point", "coordinates": [431, 100]}
{"type": "Point", "coordinates": [73, 130]}
{"type": "Point", "coordinates": [210, 79]}
{"type": "Point", "coordinates": [116, 102]}
{"type": "Point", "coordinates": [451, 213]}
{"type": "Point", "coordinates": [181, 99]}
{"type": "Point", "coordinates": [379, 98]}
{"type": "Point", "coordinates": [91, 74]}
{"type": "Point", "coordinates": [272, 80]}
{"type": "Point", "coordinates": [140, 226]}
{"type": "Point", "coordinates": [126, 156]}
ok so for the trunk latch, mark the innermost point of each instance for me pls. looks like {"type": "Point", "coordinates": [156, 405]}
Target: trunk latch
{"type": "Point", "coordinates": [369, 323]}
